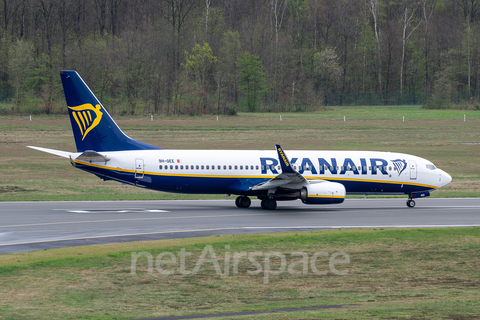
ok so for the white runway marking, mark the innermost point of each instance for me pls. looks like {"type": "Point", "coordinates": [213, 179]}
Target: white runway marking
{"type": "Point", "coordinates": [136, 219]}
{"type": "Point", "coordinates": [112, 211]}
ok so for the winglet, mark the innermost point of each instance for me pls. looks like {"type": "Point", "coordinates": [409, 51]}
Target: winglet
{"type": "Point", "coordinates": [284, 162]}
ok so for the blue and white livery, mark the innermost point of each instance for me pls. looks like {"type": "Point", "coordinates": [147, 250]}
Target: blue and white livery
{"type": "Point", "coordinates": [314, 177]}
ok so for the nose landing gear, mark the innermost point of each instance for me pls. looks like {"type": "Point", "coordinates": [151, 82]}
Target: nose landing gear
{"type": "Point", "coordinates": [410, 203]}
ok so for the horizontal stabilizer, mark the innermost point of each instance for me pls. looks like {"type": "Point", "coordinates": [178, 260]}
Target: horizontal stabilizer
{"type": "Point", "coordinates": [63, 154]}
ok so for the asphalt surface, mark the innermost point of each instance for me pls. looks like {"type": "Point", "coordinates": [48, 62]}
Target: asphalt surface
{"type": "Point", "coordinates": [28, 226]}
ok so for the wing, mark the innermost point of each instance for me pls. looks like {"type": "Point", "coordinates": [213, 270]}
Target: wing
{"type": "Point", "coordinates": [288, 179]}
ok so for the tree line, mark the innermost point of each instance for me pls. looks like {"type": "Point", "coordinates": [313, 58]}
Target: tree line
{"type": "Point", "coordinates": [221, 56]}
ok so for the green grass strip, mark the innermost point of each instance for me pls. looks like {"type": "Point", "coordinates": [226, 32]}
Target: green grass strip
{"type": "Point", "coordinates": [391, 273]}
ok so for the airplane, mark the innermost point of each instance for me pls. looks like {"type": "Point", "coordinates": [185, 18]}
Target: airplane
{"type": "Point", "coordinates": [314, 177]}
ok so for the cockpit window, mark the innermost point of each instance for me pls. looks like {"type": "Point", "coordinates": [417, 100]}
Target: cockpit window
{"type": "Point", "coordinates": [431, 167]}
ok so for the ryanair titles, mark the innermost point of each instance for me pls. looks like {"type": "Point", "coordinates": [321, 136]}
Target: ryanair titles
{"type": "Point", "coordinates": [284, 158]}
{"type": "Point", "coordinates": [364, 166]}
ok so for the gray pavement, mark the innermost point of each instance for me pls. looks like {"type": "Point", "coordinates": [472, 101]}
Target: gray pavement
{"type": "Point", "coordinates": [28, 226]}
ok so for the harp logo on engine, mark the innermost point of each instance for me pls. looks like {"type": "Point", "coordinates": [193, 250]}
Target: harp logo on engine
{"type": "Point", "coordinates": [87, 117]}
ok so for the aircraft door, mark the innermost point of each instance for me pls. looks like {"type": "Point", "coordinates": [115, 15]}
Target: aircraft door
{"type": "Point", "coordinates": [139, 165]}
{"type": "Point", "coordinates": [413, 170]}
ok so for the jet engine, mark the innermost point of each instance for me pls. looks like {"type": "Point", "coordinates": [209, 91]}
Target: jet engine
{"type": "Point", "coordinates": [323, 193]}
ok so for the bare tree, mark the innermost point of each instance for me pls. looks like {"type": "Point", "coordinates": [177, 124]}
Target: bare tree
{"type": "Point", "coordinates": [101, 14]}
{"type": "Point", "coordinates": [63, 18]}
{"type": "Point", "coordinates": [471, 12]}
{"type": "Point", "coordinates": [470, 8]}
{"type": "Point", "coordinates": [9, 10]}
{"type": "Point", "coordinates": [114, 5]}
{"type": "Point", "coordinates": [374, 9]}
{"type": "Point", "coordinates": [278, 10]}
{"type": "Point", "coordinates": [206, 17]}
{"type": "Point", "coordinates": [408, 17]}
{"type": "Point", "coordinates": [427, 14]}
{"type": "Point", "coordinates": [315, 15]}
{"type": "Point", "coordinates": [176, 13]}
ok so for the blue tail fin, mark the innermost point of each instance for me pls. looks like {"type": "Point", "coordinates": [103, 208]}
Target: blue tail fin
{"type": "Point", "coordinates": [92, 126]}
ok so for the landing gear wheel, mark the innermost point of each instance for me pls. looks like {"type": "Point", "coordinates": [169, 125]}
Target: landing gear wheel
{"type": "Point", "coordinates": [410, 203]}
{"type": "Point", "coordinates": [243, 202]}
{"type": "Point", "coordinates": [269, 204]}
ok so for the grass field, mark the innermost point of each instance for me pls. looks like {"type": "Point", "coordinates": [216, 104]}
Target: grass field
{"type": "Point", "coordinates": [438, 135]}
{"type": "Point", "coordinates": [391, 274]}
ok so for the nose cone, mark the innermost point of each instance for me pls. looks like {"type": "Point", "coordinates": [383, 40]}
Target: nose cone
{"type": "Point", "coordinates": [445, 178]}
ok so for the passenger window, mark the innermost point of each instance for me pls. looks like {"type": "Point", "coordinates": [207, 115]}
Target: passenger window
{"type": "Point", "coordinates": [181, 167]}
{"type": "Point", "coordinates": [219, 167]}
{"type": "Point", "coordinates": [257, 167]}
{"type": "Point", "coordinates": [207, 167]}
{"type": "Point", "coordinates": [202, 167]}
{"type": "Point", "coordinates": [171, 167]}
{"type": "Point", "coordinates": [197, 166]}
{"type": "Point", "coordinates": [224, 167]}
{"type": "Point", "coordinates": [160, 167]}
{"type": "Point", "coordinates": [230, 167]}
{"type": "Point", "coordinates": [236, 167]}
{"type": "Point", "coordinates": [241, 167]}
{"type": "Point", "coordinates": [176, 167]}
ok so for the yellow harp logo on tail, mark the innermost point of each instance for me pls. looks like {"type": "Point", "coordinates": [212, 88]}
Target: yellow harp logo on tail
{"type": "Point", "coordinates": [87, 117]}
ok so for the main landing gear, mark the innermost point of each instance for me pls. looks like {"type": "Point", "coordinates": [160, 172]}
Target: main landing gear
{"type": "Point", "coordinates": [269, 204]}
{"type": "Point", "coordinates": [243, 202]}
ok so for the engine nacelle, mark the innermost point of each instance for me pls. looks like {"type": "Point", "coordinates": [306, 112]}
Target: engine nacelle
{"type": "Point", "coordinates": [323, 193]}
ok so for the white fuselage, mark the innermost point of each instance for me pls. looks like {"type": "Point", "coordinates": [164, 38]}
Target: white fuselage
{"type": "Point", "coordinates": [234, 171]}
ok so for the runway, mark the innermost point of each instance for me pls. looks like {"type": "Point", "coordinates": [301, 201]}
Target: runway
{"type": "Point", "coordinates": [28, 226]}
